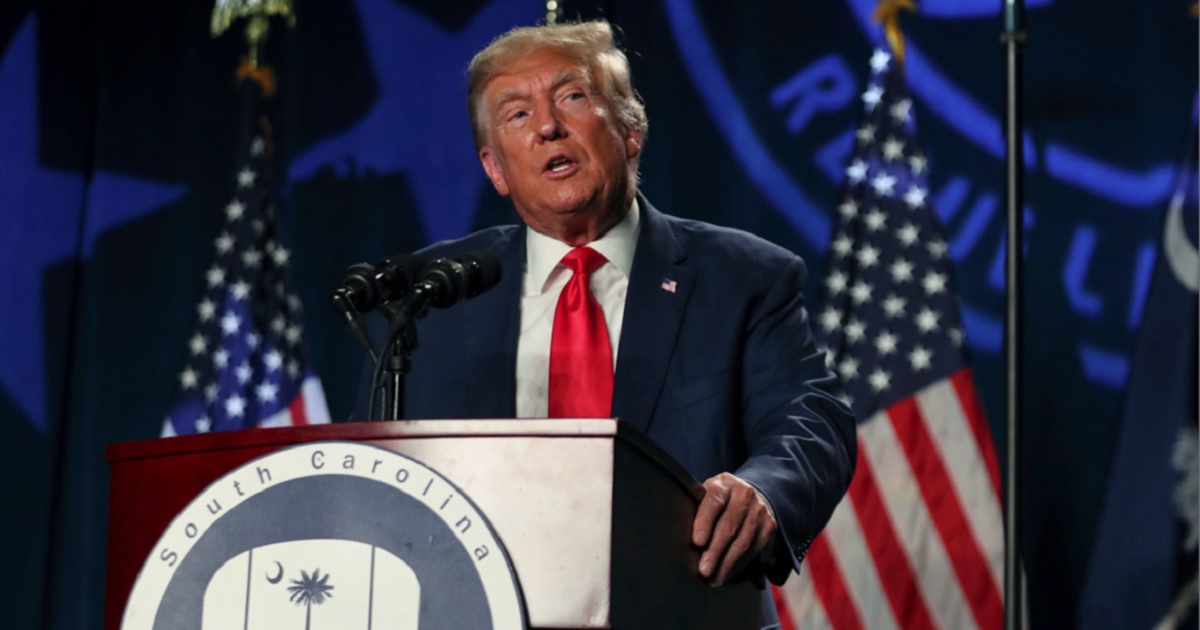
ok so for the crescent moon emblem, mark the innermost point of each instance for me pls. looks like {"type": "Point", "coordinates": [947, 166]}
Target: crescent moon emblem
{"type": "Point", "coordinates": [278, 576]}
{"type": "Point", "coordinates": [1181, 254]}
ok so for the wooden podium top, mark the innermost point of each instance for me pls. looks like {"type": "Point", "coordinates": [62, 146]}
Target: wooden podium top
{"type": "Point", "coordinates": [373, 431]}
{"type": "Point", "coordinates": [365, 431]}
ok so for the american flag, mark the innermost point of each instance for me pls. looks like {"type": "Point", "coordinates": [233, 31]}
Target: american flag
{"type": "Point", "coordinates": [918, 541]}
{"type": "Point", "coordinates": [246, 364]}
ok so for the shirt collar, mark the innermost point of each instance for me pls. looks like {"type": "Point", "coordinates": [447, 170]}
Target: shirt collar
{"type": "Point", "coordinates": [543, 253]}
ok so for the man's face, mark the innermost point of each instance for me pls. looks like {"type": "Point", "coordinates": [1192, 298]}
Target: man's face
{"type": "Point", "coordinates": [554, 146]}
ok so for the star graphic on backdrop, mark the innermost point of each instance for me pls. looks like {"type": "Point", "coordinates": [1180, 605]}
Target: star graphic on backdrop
{"type": "Point", "coordinates": [419, 69]}
{"type": "Point", "coordinates": [39, 224]}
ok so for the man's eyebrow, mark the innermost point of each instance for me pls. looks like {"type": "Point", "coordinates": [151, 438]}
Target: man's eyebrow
{"type": "Point", "coordinates": [564, 77]}
{"type": "Point", "coordinates": [560, 79]}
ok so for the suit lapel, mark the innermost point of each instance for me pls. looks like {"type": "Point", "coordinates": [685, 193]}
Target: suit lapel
{"type": "Point", "coordinates": [659, 288]}
{"type": "Point", "coordinates": [491, 333]}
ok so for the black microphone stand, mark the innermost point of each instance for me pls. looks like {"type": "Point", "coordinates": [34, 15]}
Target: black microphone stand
{"type": "Point", "coordinates": [396, 360]}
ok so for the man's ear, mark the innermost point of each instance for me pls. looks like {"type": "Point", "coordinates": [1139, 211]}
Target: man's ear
{"type": "Point", "coordinates": [633, 143]}
{"type": "Point", "coordinates": [493, 170]}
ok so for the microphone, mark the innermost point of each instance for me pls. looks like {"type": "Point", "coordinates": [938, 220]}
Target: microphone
{"type": "Point", "coordinates": [366, 286]}
{"type": "Point", "coordinates": [448, 281]}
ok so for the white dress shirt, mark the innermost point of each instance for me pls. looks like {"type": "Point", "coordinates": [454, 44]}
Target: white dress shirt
{"type": "Point", "coordinates": [543, 281]}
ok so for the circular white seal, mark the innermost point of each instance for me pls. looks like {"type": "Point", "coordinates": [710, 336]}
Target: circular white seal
{"type": "Point", "coordinates": [327, 535]}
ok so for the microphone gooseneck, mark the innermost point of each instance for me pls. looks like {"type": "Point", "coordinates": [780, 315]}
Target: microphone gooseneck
{"type": "Point", "coordinates": [443, 283]}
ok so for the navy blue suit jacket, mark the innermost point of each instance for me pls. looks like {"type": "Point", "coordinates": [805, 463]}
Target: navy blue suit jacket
{"type": "Point", "coordinates": [722, 372]}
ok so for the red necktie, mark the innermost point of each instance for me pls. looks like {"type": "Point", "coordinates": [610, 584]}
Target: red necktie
{"type": "Point", "coordinates": [581, 365]}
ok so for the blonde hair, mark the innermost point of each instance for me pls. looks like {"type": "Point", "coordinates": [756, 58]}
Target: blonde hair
{"type": "Point", "coordinates": [591, 43]}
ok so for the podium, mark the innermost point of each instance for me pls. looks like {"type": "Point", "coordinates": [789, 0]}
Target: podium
{"type": "Point", "coordinates": [595, 518]}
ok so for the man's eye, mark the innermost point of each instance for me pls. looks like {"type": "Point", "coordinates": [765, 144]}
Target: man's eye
{"type": "Point", "coordinates": [518, 115]}
{"type": "Point", "coordinates": [575, 96]}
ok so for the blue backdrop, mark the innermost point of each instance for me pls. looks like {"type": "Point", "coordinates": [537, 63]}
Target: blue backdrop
{"type": "Point", "coordinates": [118, 125]}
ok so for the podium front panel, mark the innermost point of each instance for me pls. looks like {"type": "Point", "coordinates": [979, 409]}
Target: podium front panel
{"type": "Point", "coordinates": [548, 488]}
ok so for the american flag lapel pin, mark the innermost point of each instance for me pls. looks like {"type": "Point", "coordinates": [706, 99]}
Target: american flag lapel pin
{"type": "Point", "coordinates": [668, 285]}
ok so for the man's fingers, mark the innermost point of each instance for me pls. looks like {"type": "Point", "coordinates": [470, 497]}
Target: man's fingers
{"type": "Point", "coordinates": [715, 497]}
{"type": "Point", "coordinates": [728, 526]}
{"type": "Point", "coordinates": [739, 547]}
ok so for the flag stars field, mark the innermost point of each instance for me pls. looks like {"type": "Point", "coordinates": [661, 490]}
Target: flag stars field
{"type": "Point", "coordinates": [224, 243]}
{"type": "Point", "coordinates": [893, 150]}
{"type": "Point", "coordinates": [934, 283]}
{"type": "Point", "coordinates": [230, 323]}
{"type": "Point", "coordinates": [215, 277]}
{"type": "Point", "coordinates": [855, 331]}
{"type": "Point", "coordinates": [871, 97]}
{"type": "Point", "coordinates": [927, 320]}
{"type": "Point", "coordinates": [901, 270]}
{"type": "Point", "coordinates": [848, 368]}
{"type": "Point", "coordinates": [266, 392]}
{"type": "Point", "coordinates": [907, 235]}
{"type": "Point", "coordinates": [246, 177]}
{"type": "Point", "coordinates": [273, 360]}
{"type": "Point", "coordinates": [252, 258]}
{"type": "Point", "coordinates": [920, 358]}
{"type": "Point", "coordinates": [879, 60]}
{"type": "Point", "coordinates": [884, 185]}
{"type": "Point", "coordinates": [915, 196]}
{"type": "Point", "coordinates": [880, 380]}
{"type": "Point", "coordinates": [240, 290]}
{"type": "Point", "coordinates": [234, 210]}
{"type": "Point", "coordinates": [876, 220]}
{"type": "Point", "coordinates": [830, 319]}
{"type": "Point", "coordinates": [861, 292]}
{"type": "Point", "coordinates": [868, 257]}
{"type": "Point", "coordinates": [235, 406]}
{"type": "Point", "coordinates": [856, 172]}
{"type": "Point", "coordinates": [836, 283]}
{"type": "Point", "coordinates": [917, 164]}
{"type": "Point", "coordinates": [841, 245]}
{"type": "Point", "coordinates": [865, 135]}
{"type": "Point", "coordinates": [885, 343]}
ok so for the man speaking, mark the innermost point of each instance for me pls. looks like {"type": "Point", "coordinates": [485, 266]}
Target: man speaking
{"type": "Point", "coordinates": [696, 335]}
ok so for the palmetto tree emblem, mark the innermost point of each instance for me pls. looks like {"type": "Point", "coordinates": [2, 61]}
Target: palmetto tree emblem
{"type": "Point", "coordinates": [309, 590]}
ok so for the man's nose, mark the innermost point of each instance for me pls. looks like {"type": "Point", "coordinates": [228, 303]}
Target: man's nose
{"type": "Point", "coordinates": [547, 124]}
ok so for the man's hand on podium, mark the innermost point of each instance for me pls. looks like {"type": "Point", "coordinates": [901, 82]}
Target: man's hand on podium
{"type": "Point", "coordinates": [734, 523]}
